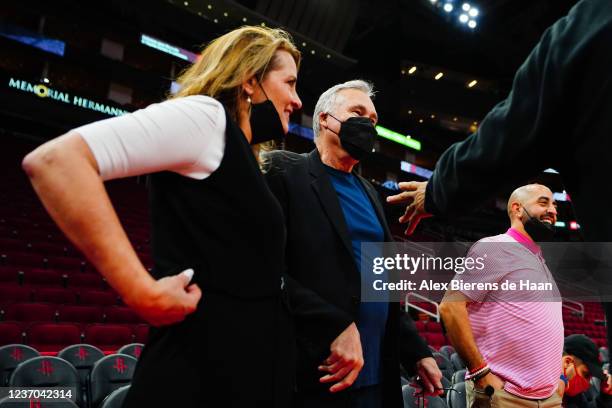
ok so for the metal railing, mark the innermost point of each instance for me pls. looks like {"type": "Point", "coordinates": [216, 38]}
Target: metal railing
{"type": "Point", "coordinates": [408, 305]}
{"type": "Point", "coordinates": [578, 308]}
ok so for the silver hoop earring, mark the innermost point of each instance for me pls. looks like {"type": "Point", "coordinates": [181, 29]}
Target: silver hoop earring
{"type": "Point", "coordinates": [249, 99]}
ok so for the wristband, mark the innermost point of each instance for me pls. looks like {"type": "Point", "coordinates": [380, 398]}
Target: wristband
{"type": "Point", "coordinates": [478, 374]}
{"type": "Point", "coordinates": [474, 371]}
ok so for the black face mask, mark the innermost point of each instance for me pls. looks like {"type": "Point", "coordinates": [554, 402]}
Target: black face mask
{"type": "Point", "coordinates": [538, 231]}
{"type": "Point", "coordinates": [357, 136]}
{"type": "Point", "coordinates": [265, 121]}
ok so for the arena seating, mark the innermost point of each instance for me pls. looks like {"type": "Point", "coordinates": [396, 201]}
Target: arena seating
{"type": "Point", "coordinates": [115, 399]}
{"type": "Point", "coordinates": [50, 296]}
{"type": "Point", "coordinates": [109, 374]}
{"type": "Point", "coordinates": [55, 307]}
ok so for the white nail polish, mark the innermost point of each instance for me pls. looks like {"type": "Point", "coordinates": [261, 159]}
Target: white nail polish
{"type": "Point", "coordinates": [188, 273]}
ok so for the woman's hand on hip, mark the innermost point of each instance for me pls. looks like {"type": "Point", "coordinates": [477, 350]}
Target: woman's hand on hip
{"type": "Point", "coordinates": [168, 300]}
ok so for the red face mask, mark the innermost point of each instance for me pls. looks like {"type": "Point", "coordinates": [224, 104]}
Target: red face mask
{"type": "Point", "coordinates": [577, 384]}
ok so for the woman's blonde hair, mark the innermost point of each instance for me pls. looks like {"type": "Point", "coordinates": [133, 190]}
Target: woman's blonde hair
{"type": "Point", "coordinates": [232, 58]}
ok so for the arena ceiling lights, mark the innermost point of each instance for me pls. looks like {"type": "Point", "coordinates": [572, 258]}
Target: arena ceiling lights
{"type": "Point", "coordinates": [231, 14]}
{"type": "Point", "coordinates": [462, 13]}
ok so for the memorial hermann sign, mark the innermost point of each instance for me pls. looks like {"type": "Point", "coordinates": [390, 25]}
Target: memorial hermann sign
{"type": "Point", "coordinates": [44, 91]}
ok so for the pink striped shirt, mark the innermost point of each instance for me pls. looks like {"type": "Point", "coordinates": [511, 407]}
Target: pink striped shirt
{"type": "Point", "coordinates": [519, 333]}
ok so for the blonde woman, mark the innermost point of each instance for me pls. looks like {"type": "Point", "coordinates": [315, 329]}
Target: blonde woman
{"type": "Point", "coordinates": [218, 238]}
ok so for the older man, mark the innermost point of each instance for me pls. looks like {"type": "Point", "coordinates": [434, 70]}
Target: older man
{"type": "Point", "coordinates": [330, 210]}
{"type": "Point", "coordinates": [512, 342]}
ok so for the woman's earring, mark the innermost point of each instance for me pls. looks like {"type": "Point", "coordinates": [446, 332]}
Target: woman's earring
{"type": "Point", "coordinates": [249, 99]}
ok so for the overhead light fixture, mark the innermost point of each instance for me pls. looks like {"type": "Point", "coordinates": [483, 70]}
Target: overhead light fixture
{"type": "Point", "coordinates": [463, 18]}
{"type": "Point", "coordinates": [473, 12]}
{"type": "Point", "coordinates": [472, 24]}
{"type": "Point", "coordinates": [439, 75]}
{"type": "Point", "coordinates": [410, 112]}
{"type": "Point", "coordinates": [412, 70]}
{"type": "Point", "coordinates": [466, 6]}
{"type": "Point", "coordinates": [420, 120]}
{"type": "Point", "coordinates": [472, 83]}
{"type": "Point", "coordinates": [448, 7]}
{"type": "Point", "coordinates": [433, 116]}
{"type": "Point", "coordinates": [455, 119]}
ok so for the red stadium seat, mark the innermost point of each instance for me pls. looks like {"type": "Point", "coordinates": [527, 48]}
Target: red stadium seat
{"type": "Point", "coordinates": [435, 339]}
{"type": "Point", "coordinates": [108, 336]}
{"type": "Point", "coordinates": [11, 244]}
{"type": "Point", "coordinates": [64, 263]}
{"type": "Point", "coordinates": [80, 314]}
{"type": "Point", "coordinates": [43, 277]}
{"type": "Point", "coordinates": [55, 295]}
{"type": "Point", "coordinates": [97, 297]}
{"type": "Point", "coordinates": [434, 327]}
{"type": "Point", "coordinates": [48, 248]}
{"type": "Point", "coordinates": [118, 314]}
{"type": "Point", "coordinates": [86, 280]}
{"type": "Point", "coordinates": [141, 333]}
{"type": "Point", "coordinates": [9, 274]}
{"type": "Point", "coordinates": [10, 332]}
{"type": "Point", "coordinates": [53, 336]}
{"type": "Point", "coordinates": [21, 259]}
{"type": "Point", "coordinates": [14, 294]}
{"type": "Point", "coordinates": [30, 312]}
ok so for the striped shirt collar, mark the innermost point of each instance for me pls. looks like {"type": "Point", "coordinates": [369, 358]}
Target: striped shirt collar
{"type": "Point", "coordinates": [527, 242]}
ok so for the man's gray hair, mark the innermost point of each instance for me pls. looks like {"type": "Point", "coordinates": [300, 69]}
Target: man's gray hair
{"type": "Point", "coordinates": [329, 99]}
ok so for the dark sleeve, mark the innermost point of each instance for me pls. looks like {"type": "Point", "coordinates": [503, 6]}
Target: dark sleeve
{"type": "Point", "coordinates": [306, 305]}
{"type": "Point", "coordinates": [604, 401]}
{"type": "Point", "coordinates": [413, 347]}
{"type": "Point", "coordinates": [578, 401]}
{"type": "Point", "coordinates": [524, 134]}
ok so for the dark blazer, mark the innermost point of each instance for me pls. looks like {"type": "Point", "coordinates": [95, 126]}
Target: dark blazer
{"type": "Point", "coordinates": [323, 279]}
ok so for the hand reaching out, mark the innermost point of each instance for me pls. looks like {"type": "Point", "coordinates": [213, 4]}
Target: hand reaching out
{"type": "Point", "coordinates": [414, 194]}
